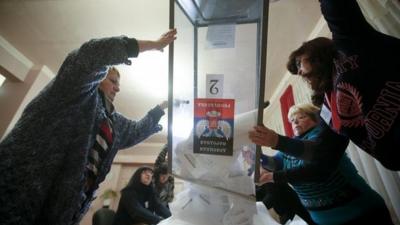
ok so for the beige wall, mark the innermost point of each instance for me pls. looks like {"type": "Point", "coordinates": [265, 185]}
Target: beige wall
{"type": "Point", "coordinates": [12, 93]}
{"type": "Point", "coordinates": [23, 81]}
{"type": "Point", "coordinates": [19, 94]}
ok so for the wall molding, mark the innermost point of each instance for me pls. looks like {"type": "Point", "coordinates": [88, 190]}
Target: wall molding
{"type": "Point", "coordinates": [14, 62]}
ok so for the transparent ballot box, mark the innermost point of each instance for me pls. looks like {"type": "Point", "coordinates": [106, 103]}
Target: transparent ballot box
{"type": "Point", "coordinates": [217, 75]}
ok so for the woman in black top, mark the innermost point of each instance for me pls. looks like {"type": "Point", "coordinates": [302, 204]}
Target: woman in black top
{"type": "Point", "coordinates": [138, 202]}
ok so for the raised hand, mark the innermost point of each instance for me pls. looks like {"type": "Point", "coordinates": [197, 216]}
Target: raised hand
{"type": "Point", "coordinates": [265, 177]}
{"type": "Point", "coordinates": [160, 44]}
{"type": "Point", "coordinates": [166, 39]}
{"type": "Point", "coordinates": [264, 136]}
{"type": "Point", "coordinates": [163, 105]}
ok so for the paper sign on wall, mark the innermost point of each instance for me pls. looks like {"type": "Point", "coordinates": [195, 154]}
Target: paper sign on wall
{"type": "Point", "coordinates": [221, 36]}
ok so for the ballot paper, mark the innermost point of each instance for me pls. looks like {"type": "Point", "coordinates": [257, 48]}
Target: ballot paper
{"type": "Point", "coordinates": [233, 173]}
{"type": "Point", "coordinates": [220, 207]}
{"type": "Point", "coordinates": [186, 211]}
{"type": "Point", "coordinates": [199, 205]}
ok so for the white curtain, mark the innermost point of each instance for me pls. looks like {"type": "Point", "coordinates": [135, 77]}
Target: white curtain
{"type": "Point", "coordinates": [384, 15]}
{"type": "Point", "coordinates": [384, 181]}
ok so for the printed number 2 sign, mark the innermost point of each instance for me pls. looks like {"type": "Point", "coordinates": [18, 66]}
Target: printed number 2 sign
{"type": "Point", "coordinates": [214, 85]}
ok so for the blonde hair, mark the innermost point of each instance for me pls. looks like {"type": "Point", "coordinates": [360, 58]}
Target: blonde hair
{"type": "Point", "coordinates": [113, 69]}
{"type": "Point", "coordinates": [310, 110]}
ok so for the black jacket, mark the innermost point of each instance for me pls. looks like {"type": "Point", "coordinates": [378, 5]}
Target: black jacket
{"type": "Point", "coordinates": [139, 204]}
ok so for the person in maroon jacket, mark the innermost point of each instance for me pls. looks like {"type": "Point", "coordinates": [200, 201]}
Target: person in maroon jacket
{"type": "Point", "coordinates": [356, 77]}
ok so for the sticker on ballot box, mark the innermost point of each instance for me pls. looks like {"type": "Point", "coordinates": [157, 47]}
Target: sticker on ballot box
{"type": "Point", "coordinates": [213, 125]}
